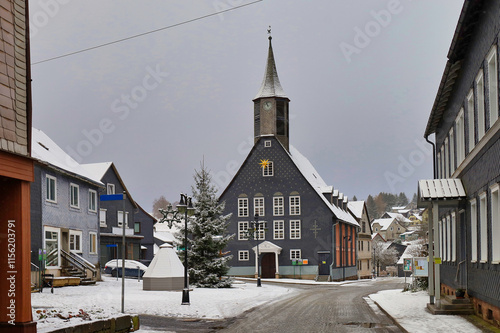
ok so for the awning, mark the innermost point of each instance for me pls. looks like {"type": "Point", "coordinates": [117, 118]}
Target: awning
{"type": "Point", "coordinates": [440, 189]}
{"type": "Point", "coordinates": [143, 247]}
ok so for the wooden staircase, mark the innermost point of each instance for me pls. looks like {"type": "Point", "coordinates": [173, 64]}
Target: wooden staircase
{"type": "Point", "coordinates": [77, 266]}
{"type": "Point", "coordinates": [450, 305]}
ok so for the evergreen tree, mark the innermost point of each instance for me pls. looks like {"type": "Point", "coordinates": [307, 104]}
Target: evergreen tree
{"type": "Point", "coordinates": [354, 198]}
{"type": "Point", "coordinates": [371, 207]}
{"type": "Point", "coordinates": [206, 260]}
{"type": "Point", "coordinates": [402, 199]}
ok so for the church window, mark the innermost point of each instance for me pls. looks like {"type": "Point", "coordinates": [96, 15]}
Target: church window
{"type": "Point", "coordinates": [243, 255]}
{"type": "Point", "coordinates": [267, 143]}
{"type": "Point", "coordinates": [242, 207]}
{"type": "Point", "coordinates": [295, 205]}
{"type": "Point", "coordinates": [242, 230]}
{"type": "Point", "coordinates": [278, 206]}
{"type": "Point", "coordinates": [258, 206]}
{"type": "Point", "coordinates": [279, 229]}
{"type": "Point", "coordinates": [295, 254]}
{"type": "Point", "coordinates": [295, 229]}
{"type": "Point", "coordinates": [267, 170]}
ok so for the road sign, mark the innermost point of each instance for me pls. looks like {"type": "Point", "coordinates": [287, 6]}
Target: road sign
{"type": "Point", "coordinates": [111, 197]}
{"type": "Point", "coordinates": [112, 245]}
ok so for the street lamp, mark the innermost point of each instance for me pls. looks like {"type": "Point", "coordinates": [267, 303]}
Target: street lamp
{"type": "Point", "coordinates": [185, 206]}
{"type": "Point", "coordinates": [346, 238]}
{"type": "Point", "coordinates": [256, 235]}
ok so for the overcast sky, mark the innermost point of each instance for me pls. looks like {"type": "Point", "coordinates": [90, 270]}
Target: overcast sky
{"type": "Point", "coordinates": [361, 76]}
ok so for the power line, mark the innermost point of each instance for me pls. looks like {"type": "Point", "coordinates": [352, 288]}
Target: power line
{"type": "Point", "coordinates": [145, 33]}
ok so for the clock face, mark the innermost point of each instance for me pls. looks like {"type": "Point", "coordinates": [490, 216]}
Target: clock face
{"type": "Point", "coordinates": [268, 105]}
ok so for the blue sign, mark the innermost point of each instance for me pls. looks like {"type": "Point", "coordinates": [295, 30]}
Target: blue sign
{"type": "Point", "coordinates": [112, 245]}
{"type": "Point", "coordinates": [111, 197]}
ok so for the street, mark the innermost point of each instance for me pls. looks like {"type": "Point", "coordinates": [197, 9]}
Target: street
{"type": "Point", "coordinates": [321, 308]}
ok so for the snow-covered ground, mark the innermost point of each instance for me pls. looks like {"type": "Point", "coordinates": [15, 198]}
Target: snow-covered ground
{"type": "Point", "coordinates": [104, 300]}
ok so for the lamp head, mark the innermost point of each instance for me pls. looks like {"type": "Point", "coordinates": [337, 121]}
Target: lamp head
{"type": "Point", "coordinates": [181, 206]}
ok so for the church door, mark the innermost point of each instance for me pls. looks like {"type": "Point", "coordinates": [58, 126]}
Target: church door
{"type": "Point", "coordinates": [268, 263]}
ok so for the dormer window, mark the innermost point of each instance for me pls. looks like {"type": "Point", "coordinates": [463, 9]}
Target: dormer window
{"type": "Point", "coordinates": [267, 143]}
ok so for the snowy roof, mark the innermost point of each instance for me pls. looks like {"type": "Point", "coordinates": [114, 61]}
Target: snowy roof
{"type": "Point", "coordinates": [47, 151]}
{"type": "Point", "coordinates": [384, 223]}
{"type": "Point", "coordinates": [315, 180]}
{"type": "Point", "coordinates": [440, 189]}
{"type": "Point", "coordinates": [98, 169]}
{"type": "Point", "coordinates": [399, 217]}
{"type": "Point", "coordinates": [271, 86]}
{"type": "Point", "coordinates": [356, 207]}
{"type": "Point", "coordinates": [166, 263]}
{"type": "Point", "coordinates": [164, 236]}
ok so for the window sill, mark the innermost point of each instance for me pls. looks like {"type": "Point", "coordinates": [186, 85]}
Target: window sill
{"type": "Point", "coordinates": [495, 262]}
{"type": "Point", "coordinates": [483, 261]}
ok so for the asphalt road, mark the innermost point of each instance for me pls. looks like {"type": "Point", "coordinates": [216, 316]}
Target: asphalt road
{"type": "Point", "coordinates": [321, 308]}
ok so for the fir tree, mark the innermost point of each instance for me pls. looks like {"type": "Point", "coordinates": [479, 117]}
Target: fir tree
{"type": "Point", "coordinates": [207, 264]}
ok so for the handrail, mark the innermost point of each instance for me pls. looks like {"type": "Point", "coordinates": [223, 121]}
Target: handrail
{"type": "Point", "coordinates": [79, 262]}
{"type": "Point", "coordinates": [37, 268]}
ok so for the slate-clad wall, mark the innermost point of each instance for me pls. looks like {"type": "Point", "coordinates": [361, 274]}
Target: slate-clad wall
{"type": "Point", "coordinates": [286, 179]}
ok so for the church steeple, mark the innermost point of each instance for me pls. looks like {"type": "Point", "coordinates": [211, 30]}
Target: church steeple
{"type": "Point", "coordinates": [271, 104]}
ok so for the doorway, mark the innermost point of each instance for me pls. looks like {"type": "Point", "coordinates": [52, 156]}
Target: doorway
{"type": "Point", "coordinates": [268, 264]}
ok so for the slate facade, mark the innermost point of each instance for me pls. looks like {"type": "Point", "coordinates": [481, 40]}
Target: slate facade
{"type": "Point", "coordinates": [465, 121]}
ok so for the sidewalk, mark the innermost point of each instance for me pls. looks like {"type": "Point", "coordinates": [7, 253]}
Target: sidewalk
{"type": "Point", "coordinates": [408, 309]}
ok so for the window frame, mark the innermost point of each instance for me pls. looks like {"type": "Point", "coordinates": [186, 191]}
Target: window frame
{"type": "Point", "coordinates": [118, 223]}
{"type": "Point", "coordinates": [481, 115]}
{"type": "Point", "coordinates": [74, 195]}
{"type": "Point", "coordinates": [101, 210]}
{"type": "Point", "coordinates": [279, 229]}
{"type": "Point", "coordinates": [243, 255]}
{"type": "Point", "coordinates": [267, 143]}
{"type": "Point", "coordinates": [495, 223]}
{"type": "Point", "coordinates": [259, 206]}
{"type": "Point", "coordinates": [474, 234]}
{"type": "Point", "coordinates": [93, 242]}
{"type": "Point", "coordinates": [483, 227]}
{"type": "Point", "coordinates": [268, 170]}
{"type": "Point", "coordinates": [243, 227]}
{"type": "Point", "coordinates": [48, 191]}
{"type": "Point", "coordinates": [243, 209]}
{"type": "Point", "coordinates": [92, 201]}
{"type": "Point", "coordinates": [492, 63]}
{"type": "Point", "coordinates": [137, 223]}
{"type": "Point", "coordinates": [460, 136]}
{"type": "Point", "coordinates": [77, 234]}
{"type": "Point", "coordinates": [471, 121]}
{"type": "Point", "coordinates": [110, 188]}
{"type": "Point", "coordinates": [279, 207]}
{"type": "Point", "coordinates": [294, 205]}
{"type": "Point", "coordinates": [295, 229]}
{"type": "Point", "coordinates": [294, 252]}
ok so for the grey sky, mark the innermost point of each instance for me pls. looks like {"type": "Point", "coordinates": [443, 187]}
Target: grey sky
{"type": "Point", "coordinates": [361, 76]}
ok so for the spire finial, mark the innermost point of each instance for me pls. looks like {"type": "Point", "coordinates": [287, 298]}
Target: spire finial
{"type": "Point", "coordinates": [269, 33]}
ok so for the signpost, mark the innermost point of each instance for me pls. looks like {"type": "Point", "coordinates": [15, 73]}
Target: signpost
{"type": "Point", "coordinates": [117, 197]}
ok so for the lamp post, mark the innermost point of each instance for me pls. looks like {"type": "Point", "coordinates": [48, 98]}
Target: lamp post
{"type": "Point", "coordinates": [346, 238]}
{"type": "Point", "coordinates": [256, 235]}
{"type": "Point", "coordinates": [185, 207]}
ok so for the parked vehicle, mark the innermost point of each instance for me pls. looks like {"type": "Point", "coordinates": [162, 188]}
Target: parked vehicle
{"type": "Point", "coordinates": [131, 267]}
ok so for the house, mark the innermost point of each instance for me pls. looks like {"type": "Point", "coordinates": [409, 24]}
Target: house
{"type": "Point", "coordinates": [463, 199]}
{"type": "Point", "coordinates": [365, 259]}
{"type": "Point", "coordinates": [16, 168]}
{"type": "Point", "coordinates": [305, 228]}
{"type": "Point", "coordinates": [144, 226]}
{"type": "Point", "coordinates": [390, 228]}
{"type": "Point", "coordinates": [400, 217]}
{"type": "Point", "coordinates": [116, 215]}
{"type": "Point", "coordinates": [65, 212]}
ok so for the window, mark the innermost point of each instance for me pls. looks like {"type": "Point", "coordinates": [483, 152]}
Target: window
{"type": "Point", "coordinates": [243, 255]}
{"type": "Point", "coordinates": [242, 207]}
{"type": "Point", "coordinates": [74, 198]}
{"type": "Point", "coordinates": [52, 245]}
{"type": "Point", "coordinates": [480, 105]}
{"type": "Point", "coordinates": [446, 159]}
{"type": "Point", "coordinates": [364, 227]}
{"type": "Point", "coordinates": [449, 240]}
{"type": "Point", "coordinates": [295, 254]}
{"type": "Point", "coordinates": [441, 228]}
{"type": "Point", "coordinates": [452, 152]}
{"type": "Point", "coordinates": [495, 224]}
{"type": "Point", "coordinates": [75, 241]}
{"type": "Point", "coordinates": [443, 163]}
{"type": "Point", "coordinates": [493, 85]}
{"type": "Point", "coordinates": [92, 201]}
{"type": "Point", "coordinates": [267, 170]}
{"type": "Point", "coordinates": [261, 230]}
{"type": "Point", "coordinates": [258, 206]}
{"type": "Point", "coordinates": [267, 143]}
{"type": "Point", "coordinates": [242, 230]}
{"type": "Point", "coordinates": [137, 227]}
{"type": "Point", "coordinates": [470, 115]}
{"type": "Point", "coordinates": [102, 217]}
{"type": "Point", "coordinates": [110, 188]}
{"type": "Point", "coordinates": [483, 226]}
{"type": "Point", "coordinates": [294, 205]}
{"type": "Point", "coordinates": [459, 123]}
{"type": "Point", "coordinates": [120, 218]}
{"type": "Point", "coordinates": [51, 189]}
{"type": "Point", "coordinates": [279, 229]}
{"type": "Point", "coordinates": [278, 206]}
{"type": "Point", "coordinates": [440, 173]}
{"type": "Point", "coordinates": [294, 229]}
{"type": "Point", "coordinates": [453, 228]}
{"type": "Point", "coordinates": [93, 242]}
{"type": "Point", "coordinates": [473, 230]}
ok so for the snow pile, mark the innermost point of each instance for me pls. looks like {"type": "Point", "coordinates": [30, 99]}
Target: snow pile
{"type": "Point", "coordinates": [103, 300]}
{"type": "Point", "coordinates": [409, 310]}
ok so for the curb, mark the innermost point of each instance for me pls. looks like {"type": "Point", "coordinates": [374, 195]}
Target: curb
{"type": "Point", "coordinates": [390, 317]}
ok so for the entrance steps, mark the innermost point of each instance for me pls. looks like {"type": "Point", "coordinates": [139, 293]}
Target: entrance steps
{"type": "Point", "coordinates": [323, 278]}
{"type": "Point", "coordinates": [450, 305]}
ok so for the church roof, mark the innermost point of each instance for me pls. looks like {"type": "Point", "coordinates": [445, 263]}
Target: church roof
{"type": "Point", "coordinates": [271, 86]}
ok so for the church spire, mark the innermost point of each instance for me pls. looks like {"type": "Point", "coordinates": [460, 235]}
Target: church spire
{"type": "Point", "coordinates": [271, 86]}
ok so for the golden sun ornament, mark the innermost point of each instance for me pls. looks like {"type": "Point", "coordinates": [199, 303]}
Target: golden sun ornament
{"type": "Point", "coordinates": [264, 163]}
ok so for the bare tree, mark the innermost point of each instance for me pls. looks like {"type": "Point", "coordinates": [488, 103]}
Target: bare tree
{"type": "Point", "coordinates": [161, 202]}
{"type": "Point", "coordinates": [383, 255]}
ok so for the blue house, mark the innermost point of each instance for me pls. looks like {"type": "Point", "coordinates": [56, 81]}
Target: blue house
{"type": "Point", "coordinates": [64, 211]}
{"type": "Point", "coordinates": [307, 230]}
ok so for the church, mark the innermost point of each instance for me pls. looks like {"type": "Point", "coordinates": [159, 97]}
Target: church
{"type": "Point", "coordinates": [305, 230]}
